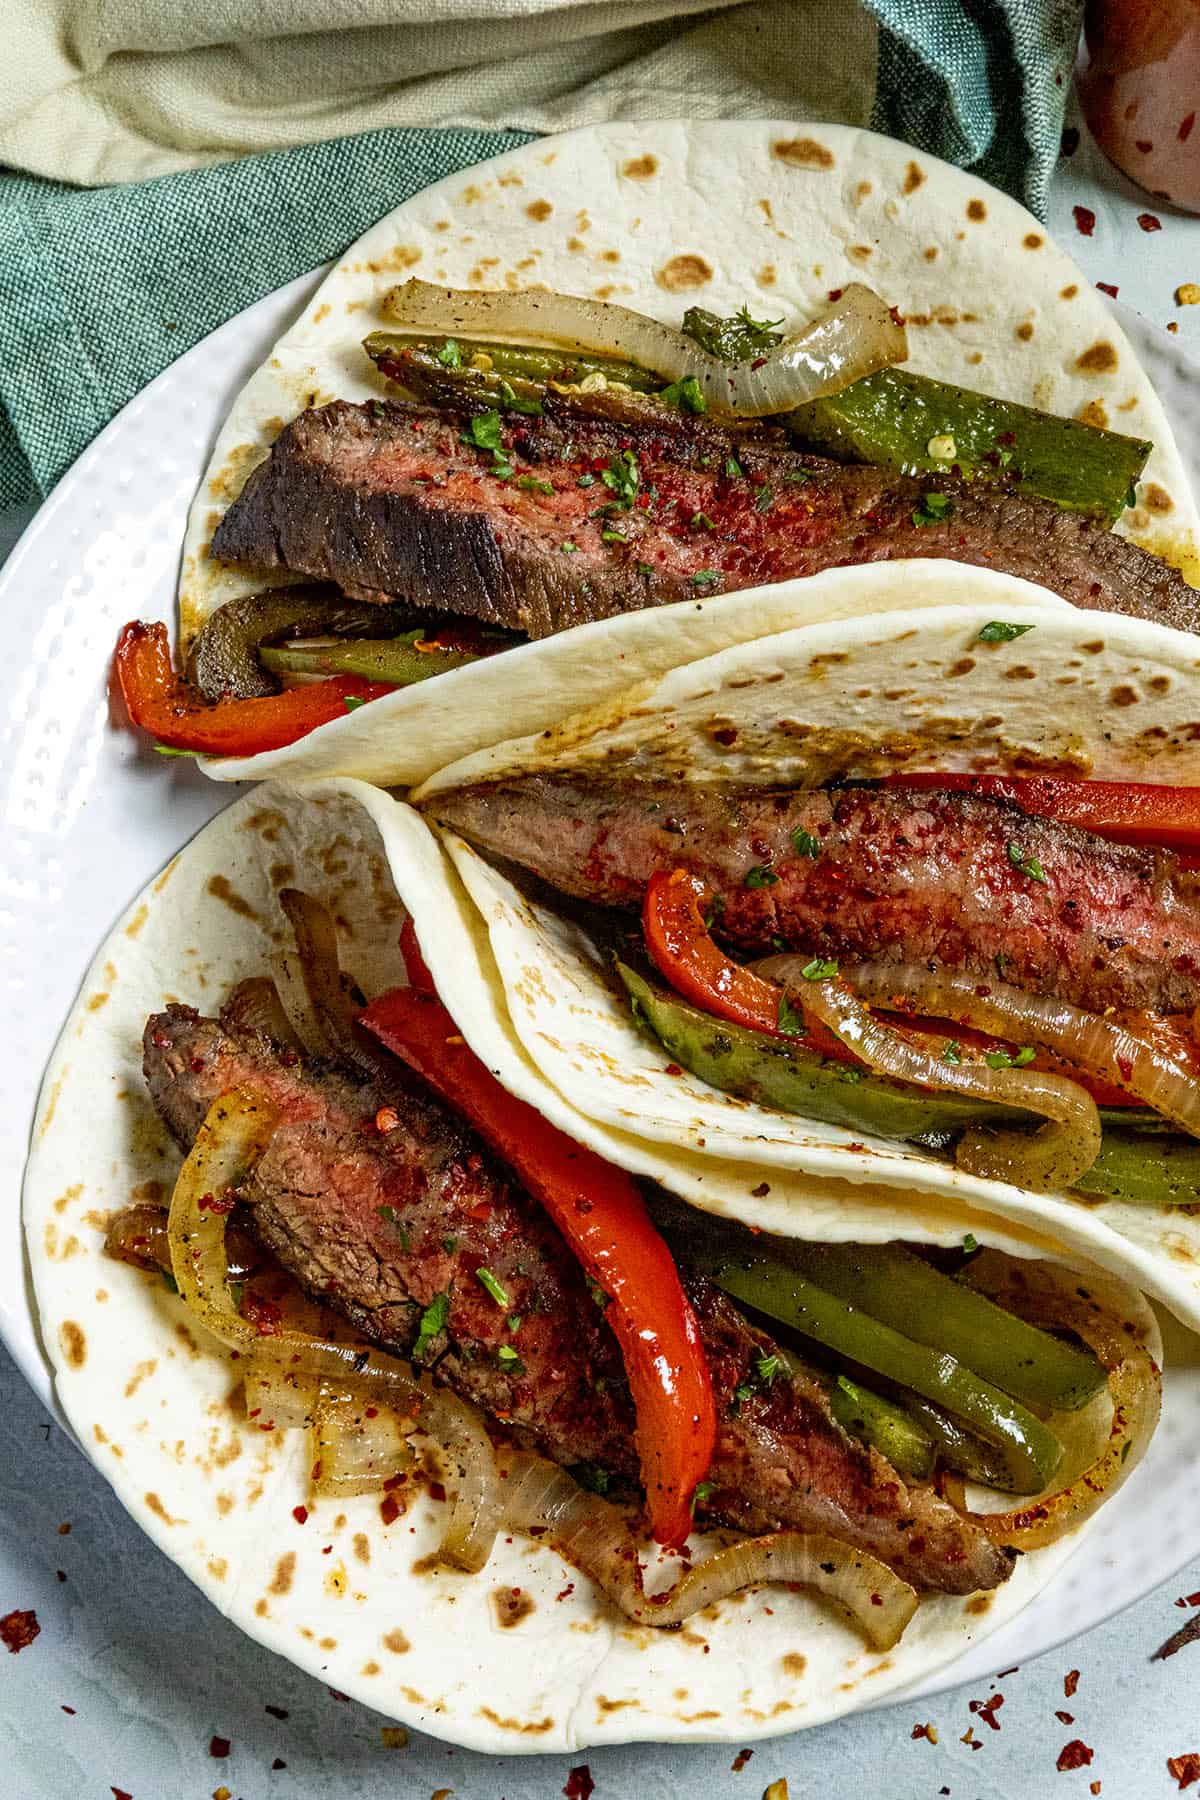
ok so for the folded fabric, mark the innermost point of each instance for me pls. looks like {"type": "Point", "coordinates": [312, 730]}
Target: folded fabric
{"type": "Point", "coordinates": [100, 289]}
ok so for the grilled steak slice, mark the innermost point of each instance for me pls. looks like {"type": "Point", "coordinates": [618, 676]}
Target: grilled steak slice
{"type": "Point", "coordinates": [905, 874]}
{"type": "Point", "coordinates": [387, 500]}
{"type": "Point", "coordinates": [376, 1223]}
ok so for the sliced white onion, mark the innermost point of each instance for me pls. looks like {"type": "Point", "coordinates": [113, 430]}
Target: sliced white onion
{"type": "Point", "coordinates": [1105, 1048]}
{"type": "Point", "coordinates": [591, 1533]}
{"type": "Point", "coordinates": [358, 1441]}
{"type": "Point", "coordinates": [1053, 1157]}
{"type": "Point", "coordinates": [278, 1396]}
{"type": "Point", "coordinates": [856, 336]}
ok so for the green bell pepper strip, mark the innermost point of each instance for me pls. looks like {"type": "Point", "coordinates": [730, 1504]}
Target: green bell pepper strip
{"type": "Point", "coordinates": [895, 1433]}
{"type": "Point", "coordinates": [773, 1287]}
{"type": "Point", "coordinates": [1141, 1161]}
{"type": "Point", "coordinates": [378, 659]}
{"type": "Point", "coordinates": [441, 368]}
{"type": "Point", "coordinates": [960, 1450]}
{"type": "Point", "coordinates": [894, 417]}
{"type": "Point", "coordinates": [910, 1295]}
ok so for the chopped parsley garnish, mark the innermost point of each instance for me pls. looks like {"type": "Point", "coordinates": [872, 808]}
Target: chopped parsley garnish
{"type": "Point", "coordinates": [687, 395]}
{"type": "Point", "coordinates": [733, 340]}
{"type": "Point", "coordinates": [613, 537]}
{"type": "Point", "coordinates": [449, 1245]}
{"type": "Point", "coordinates": [1026, 865]}
{"type": "Point", "coordinates": [390, 1216]}
{"type": "Point", "coordinates": [535, 485]}
{"type": "Point", "coordinates": [351, 702]}
{"type": "Point", "coordinates": [511, 401]}
{"type": "Point", "coordinates": [705, 577]}
{"type": "Point", "coordinates": [568, 548]}
{"type": "Point", "coordinates": [514, 1322]}
{"type": "Point", "coordinates": [760, 877]}
{"type": "Point", "coordinates": [970, 1242]}
{"type": "Point", "coordinates": [644, 568]}
{"type": "Point", "coordinates": [819, 969]}
{"type": "Point", "coordinates": [170, 750]}
{"type": "Point", "coordinates": [733, 468]}
{"type": "Point", "coordinates": [169, 1280]}
{"type": "Point", "coordinates": [495, 1288]}
{"type": "Point", "coordinates": [700, 1493]}
{"type": "Point", "coordinates": [586, 481]}
{"type": "Point", "coordinates": [702, 522]}
{"type": "Point", "coordinates": [766, 496]}
{"type": "Point", "coordinates": [592, 1476]}
{"type": "Point", "coordinates": [622, 478]}
{"type": "Point", "coordinates": [502, 468]}
{"type": "Point", "coordinates": [509, 1361]}
{"type": "Point", "coordinates": [741, 1393]}
{"type": "Point", "coordinates": [952, 1053]}
{"type": "Point", "coordinates": [483, 431]}
{"type": "Point", "coordinates": [1004, 1059]}
{"type": "Point", "coordinates": [789, 1019]}
{"type": "Point", "coordinates": [805, 843]}
{"type": "Point", "coordinates": [933, 508]}
{"type": "Point", "coordinates": [799, 475]}
{"type": "Point", "coordinates": [597, 1292]}
{"type": "Point", "coordinates": [766, 1368]}
{"type": "Point", "coordinates": [433, 1320]}
{"type": "Point", "coordinates": [1001, 631]}
{"type": "Point", "coordinates": [450, 356]}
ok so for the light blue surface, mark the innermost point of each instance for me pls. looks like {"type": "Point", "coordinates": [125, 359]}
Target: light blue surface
{"type": "Point", "coordinates": [153, 1672]}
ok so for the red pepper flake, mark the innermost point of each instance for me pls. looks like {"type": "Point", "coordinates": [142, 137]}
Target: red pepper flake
{"type": "Point", "coordinates": [216, 1203]}
{"type": "Point", "coordinates": [277, 1712]}
{"type": "Point", "coordinates": [386, 1119]}
{"type": "Point", "coordinates": [1184, 1769]}
{"type": "Point", "coordinates": [740, 1760]}
{"type": "Point", "coordinates": [69, 1709]}
{"type": "Point", "coordinates": [1187, 1634]}
{"type": "Point", "coordinates": [927, 1731]}
{"type": "Point", "coordinates": [1015, 1670]}
{"type": "Point", "coordinates": [263, 1314]}
{"type": "Point", "coordinates": [1149, 221]}
{"type": "Point", "coordinates": [218, 1747]}
{"type": "Point", "coordinates": [1094, 1787]}
{"type": "Point", "coordinates": [279, 1763]}
{"type": "Point", "coordinates": [1065, 1718]}
{"type": "Point", "coordinates": [672, 1069]}
{"type": "Point", "coordinates": [1070, 1682]}
{"type": "Point", "coordinates": [389, 1509]}
{"type": "Point", "coordinates": [1085, 220]}
{"type": "Point", "coordinates": [566, 1592]}
{"type": "Point", "coordinates": [120, 1794]}
{"type": "Point", "coordinates": [761, 1191]}
{"type": "Point", "coordinates": [336, 1694]}
{"type": "Point", "coordinates": [988, 1710]}
{"type": "Point", "coordinates": [968, 1737]}
{"type": "Point", "coordinates": [1185, 127]}
{"type": "Point", "coordinates": [1075, 1755]}
{"type": "Point", "coordinates": [1145, 145]}
{"type": "Point", "coordinates": [580, 1785]}
{"type": "Point", "coordinates": [18, 1630]}
{"type": "Point", "coordinates": [300, 1514]}
{"type": "Point", "coordinates": [1193, 1599]}
{"type": "Point", "coordinates": [64, 1530]}
{"type": "Point", "coordinates": [835, 294]}
{"type": "Point", "coordinates": [1106, 287]}
{"type": "Point", "coordinates": [436, 1491]}
{"type": "Point", "coordinates": [1070, 140]}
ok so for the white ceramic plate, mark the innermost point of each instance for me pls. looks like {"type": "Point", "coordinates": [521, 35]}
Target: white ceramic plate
{"type": "Point", "coordinates": [89, 815]}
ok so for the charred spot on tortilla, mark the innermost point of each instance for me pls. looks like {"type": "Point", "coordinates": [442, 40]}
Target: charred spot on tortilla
{"type": "Point", "coordinates": [687, 270]}
{"type": "Point", "coordinates": [803, 153]}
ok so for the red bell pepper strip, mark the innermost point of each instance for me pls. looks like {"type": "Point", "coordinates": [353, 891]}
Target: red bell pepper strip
{"type": "Point", "coordinates": [160, 703]}
{"type": "Point", "coordinates": [602, 1215]}
{"type": "Point", "coordinates": [1129, 812]}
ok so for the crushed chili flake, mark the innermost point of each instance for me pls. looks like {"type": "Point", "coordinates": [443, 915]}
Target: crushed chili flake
{"type": "Point", "coordinates": [336, 1694]}
{"type": "Point", "coordinates": [580, 1785]}
{"type": "Point", "coordinates": [1065, 1718]}
{"type": "Point", "coordinates": [835, 294]}
{"type": "Point", "coordinates": [926, 1731]}
{"type": "Point", "coordinates": [218, 1746]}
{"type": "Point", "coordinates": [120, 1794]}
{"type": "Point", "coordinates": [672, 1069]}
{"type": "Point", "coordinates": [740, 1760]}
{"type": "Point", "coordinates": [300, 1514]}
{"type": "Point", "coordinates": [65, 1530]}
{"type": "Point", "coordinates": [1070, 140]}
{"type": "Point", "coordinates": [279, 1763]}
{"type": "Point", "coordinates": [1015, 1670]}
{"type": "Point", "coordinates": [1070, 1682]}
{"type": "Point", "coordinates": [222, 1793]}
{"type": "Point", "coordinates": [18, 1630]}
{"type": "Point", "coordinates": [1106, 287]}
{"type": "Point", "coordinates": [61, 1573]}
{"type": "Point", "coordinates": [386, 1119]}
{"type": "Point", "coordinates": [1184, 1769]}
{"type": "Point", "coordinates": [216, 1203]}
{"type": "Point", "coordinates": [277, 1712]}
{"type": "Point", "coordinates": [1075, 1755]}
{"type": "Point", "coordinates": [69, 1709]}
{"type": "Point", "coordinates": [1085, 220]}
{"type": "Point", "coordinates": [1149, 222]}
{"type": "Point", "coordinates": [968, 1737]}
{"type": "Point", "coordinates": [1094, 1787]}
{"type": "Point", "coordinates": [987, 1710]}
{"type": "Point", "coordinates": [389, 1509]}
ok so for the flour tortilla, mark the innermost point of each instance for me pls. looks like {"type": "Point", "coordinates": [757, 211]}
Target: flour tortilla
{"type": "Point", "coordinates": [153, 1402]}
{"type": "Point", "coordinates": [720, 214]}
{"type": "Point", "coordinates": [1090, 696]}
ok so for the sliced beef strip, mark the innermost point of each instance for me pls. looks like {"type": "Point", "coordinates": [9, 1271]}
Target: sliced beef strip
{"type": "Point", "coordinates": [388, 501]}
{"type": "Point", "coordinates": [376, 1223]}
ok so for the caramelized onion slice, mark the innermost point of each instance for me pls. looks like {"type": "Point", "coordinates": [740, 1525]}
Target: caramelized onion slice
{"type": "Point", "coordinates": [1054, 1156]}
{"type": "Point", "coordinates": [592, 1533]}
{"type": "Point", "coordinates": [1052, 1297]}
{"type": "Point", "coordinates": [358, 1441]}
{"type": "Point", "coordinates": [853, 338]}
{"type": "Point", "coordinates": [278, 1396]}
{"type": "Point", "coordinates": [334, 1001]}
{"type": "Point", "coordinates": [1105, 1048]}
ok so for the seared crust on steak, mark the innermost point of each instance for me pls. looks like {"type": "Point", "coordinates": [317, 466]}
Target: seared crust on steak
{"type": "Point", "coordinates": [376, 1223]}
{"type": "Point", "coordinates": [904, 874]}
{"type": "Point", "coordinates": [387, 500]}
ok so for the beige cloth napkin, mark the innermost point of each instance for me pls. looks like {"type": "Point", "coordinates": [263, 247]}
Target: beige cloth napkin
{"type": "Point", "coordinates": [97, 91]}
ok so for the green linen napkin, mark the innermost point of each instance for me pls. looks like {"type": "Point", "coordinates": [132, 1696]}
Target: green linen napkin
{"type": "Point", "coordinates": [101, 288]}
